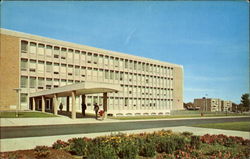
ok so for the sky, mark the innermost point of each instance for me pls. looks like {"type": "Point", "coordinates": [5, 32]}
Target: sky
{"type": "Point", "coordinates": [209, 39]}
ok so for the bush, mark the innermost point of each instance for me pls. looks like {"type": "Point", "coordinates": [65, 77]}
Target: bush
{"type": "Point", "coordinates": [42, 151]}
{"type": "Point", "coordinates": [186, 133]}
{"type": "Point", "coordinates": [78, 146]}
{"type": "Point", "coordinates": [195, 142]}
{"type": "Point", "coordinates": [147, 150]}
{"type": "Point", "coordinates": [97, 150]}
{"type": "Point", "coordinates": [59, 144]}
{"type": "Point", "coordinates": [165, 144]}
{"type": "Point", "coordinates": [127, 149]}
{"type": "Point", "coordinates": [180, 142]}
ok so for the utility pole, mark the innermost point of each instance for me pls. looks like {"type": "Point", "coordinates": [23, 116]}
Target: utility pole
{"type": "Point", "coordinates": [18, 90]}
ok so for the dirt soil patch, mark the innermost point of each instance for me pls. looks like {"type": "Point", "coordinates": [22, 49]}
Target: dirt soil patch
{"type": "Point", "coordinates": [31, 154]}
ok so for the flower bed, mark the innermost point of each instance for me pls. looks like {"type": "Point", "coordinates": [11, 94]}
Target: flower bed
{"type": "Point", "coordinates": [159, 145]}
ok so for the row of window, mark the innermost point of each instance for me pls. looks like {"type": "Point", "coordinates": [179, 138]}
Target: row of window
{"type": "Point", "coordinates": [101, 74]}
{"type": "Point", "coordinates": [40, 83]}
{"type": "Point", "coordinates": [91, 58]}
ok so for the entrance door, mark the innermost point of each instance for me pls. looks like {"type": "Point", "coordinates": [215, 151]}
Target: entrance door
{"type": "Point", "coordinates": [47, 104]}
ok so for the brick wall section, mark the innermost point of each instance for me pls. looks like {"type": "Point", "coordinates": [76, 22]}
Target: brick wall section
{"type": "Point", "coordinates": [9, 70]}
{"type": "Point", "coordinates": [178, 88]}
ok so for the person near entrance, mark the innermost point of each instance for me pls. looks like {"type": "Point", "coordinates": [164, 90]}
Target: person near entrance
{"type": "Point", "coordinates": [61, 107]}
{"type": "Point", "coordinates": [83, 109]}
{"type": "Point", "coordinates": [96, 109]}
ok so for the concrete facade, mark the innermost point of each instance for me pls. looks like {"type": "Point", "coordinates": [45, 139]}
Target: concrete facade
{"type": "Point", "coordinates": [226, 105]}
{"type": "Point", "coordinates": [34, 63]}
{"type": "Point", "coordinates": [212, 104]}
{"type": "Point", "coordinates": [9, 71]}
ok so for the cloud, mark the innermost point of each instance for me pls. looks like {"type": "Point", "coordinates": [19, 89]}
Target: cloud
{"type": "Point", "coordinates": [131, 33]}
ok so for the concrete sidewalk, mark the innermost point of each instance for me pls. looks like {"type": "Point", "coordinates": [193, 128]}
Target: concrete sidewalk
{"type": "Point", "coordinates": [30, 142]}
{"type": "Point", "coordinates": [61, 120]}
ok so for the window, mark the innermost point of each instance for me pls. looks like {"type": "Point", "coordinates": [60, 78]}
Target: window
{"type": "Point", "coordinates": [89, 58]}
{"type": "Point", "coordinates": [24, 82]}
{"type": "Point", "coordinates": [131, 65]}
{"type": "Point", "coordinates": [116, 75]}
{"type": "Point", "coordinates": [95, 59]}
{"type": "Point", "coordinates": [70, 70]}
{"type": "Point", "coordinates": [24, 64]}
{"type": "Point", "coordinates": [106, 60]}
{"type": "Point", "coordinates": [56, 83]}
{"type": "Point", "coordinates": [95, 72]}
{"type": "Point", "coordinates": [24, 46]}
{"type": "Point", "coordinates": [70, 54]}
{"type": "Point", "coordinates": [32, 48]}
{"type": "Point", "coordinates": [24, 98]}
{"type": "Point", "coordinates": [77, 55]}
{"type": "Point", "coordinates": [111, 62]}
{"type": "Point", "coordinates": [106, 74]}
{"type": "Point", "coordinates": [32, 82]}
{"type": "Point", "coordinates": [83, 56]}
{"type": "Point", "coordinates": [63, 53]}
{"type": "Point", "coordinates": [126, 63]}
{"type": "Point", "coordinates": [121, 76]}
{"type": "Point", "coordinates": [63, 82]}
{"type": "Point", "coordinates": [70, 82]}
{"type": "Point", "coordinates": [56, 52]}
{"type": "Point", "coordinates": [116, 63]}
{"type": "Point", "coordinates": [63, 69]}
{"type": "Point", "coordinates": [48, 51]}
{"type": "Point", "coordinates": [40, 49]}
{"type": "Point", "coordinates": [49, 67]}
{"type": "Point", "coordinates": [40, 83]}
{"type": "Point", "coordinates": [56, 68]}
{"type": "Point", "coordinates": [135, 65]}
{"type": "Point", "coordinates": [111, 74]}
{"type": "Point", "coordinates": [100, 60]}
{"type": "Point", "coordinates": [32, 66]}
{"type": "Point", "coordinates": [121, 63]}
{"type": "Point", "coordinates": [143, 67]}
{"type": "Point", "coordinates": [40, 67]}
{"type": "Point", "coordinates": [126, 102]}
{"type": "Point", "coordinates": [83, 71]}
{"type": "Point", "coordinates": [77, 70]}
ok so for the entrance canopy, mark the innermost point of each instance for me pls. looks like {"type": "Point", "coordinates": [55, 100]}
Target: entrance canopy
{"type": "Point", "coordinates": [80, 88]}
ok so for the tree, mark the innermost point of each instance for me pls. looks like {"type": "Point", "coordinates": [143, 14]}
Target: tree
{"type": "Point", "coordinates": [189, 106]}
{"type": "Point", "coordinates": [245, 102]}
{"type": "Point", "coordinates": [235, 107]}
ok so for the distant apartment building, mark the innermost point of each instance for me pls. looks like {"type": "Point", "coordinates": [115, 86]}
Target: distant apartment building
{"type": "Point", "coordinates": [208, 104]}
{"type": "Point", "coordinates": [212, 104]}
{"type": "Point", "coordinates": [226, 105]}
{"type": "Point", "coordinates": [43, 67]}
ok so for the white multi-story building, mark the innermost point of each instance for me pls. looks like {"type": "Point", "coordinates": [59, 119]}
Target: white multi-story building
{"type": "Point", "coordinates": [35, 63]}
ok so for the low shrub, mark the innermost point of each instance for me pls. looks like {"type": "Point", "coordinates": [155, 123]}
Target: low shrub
{"type": "Point", "coordinates": [180, 142]}
{"type": "Point", "coordinates": [187, 134]}
{"type": "Point", "coordinates": [165, 144]}
{"type": "Point", "coordinates": [147, 150]}
{"type": "Point", "coordinates": [78, 146]}
{"type": "Point", "coordinates": [59, 144]}
{"type": "Point", "coordinates": [42, 151]}
{"type": "Point", "coordinates": [195, 142]}
{"type": "Point", "coordinates": [97, 150]}
{"type": "Point", "coordinates": [127, 149]}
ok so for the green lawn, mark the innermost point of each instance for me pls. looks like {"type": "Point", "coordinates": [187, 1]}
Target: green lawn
{"type": "Point", "coordinates": [240, 126]}
{"type": "Point", "coordinates": [174, 116]}
{"type": "Point", "coordinates": [25, 115]}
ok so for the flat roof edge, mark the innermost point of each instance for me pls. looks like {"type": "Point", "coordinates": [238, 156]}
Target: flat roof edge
{"type": "Point", "coordinates": [81, 46]}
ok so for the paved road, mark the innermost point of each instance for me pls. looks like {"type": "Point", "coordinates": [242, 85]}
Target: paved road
{"type": "Point", "coordinates": [50, 130]}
